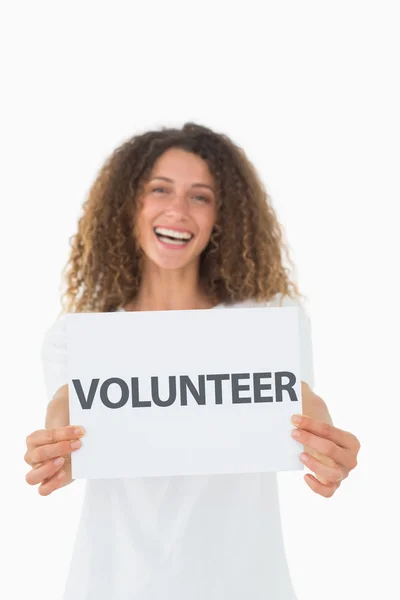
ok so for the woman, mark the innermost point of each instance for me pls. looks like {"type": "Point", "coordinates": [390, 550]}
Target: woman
{"type": "Point", "coordinates": [179, 219]}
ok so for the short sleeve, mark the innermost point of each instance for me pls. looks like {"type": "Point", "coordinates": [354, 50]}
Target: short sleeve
{"type": "Point", "coordinates": [305, 335]}
{"type": "Point", "coordinates": [54, 357]}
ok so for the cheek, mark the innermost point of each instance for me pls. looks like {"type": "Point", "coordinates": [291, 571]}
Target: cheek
{"type": "Point", "coordinates": [208, 222]}
{"type": "Point", "coordinates": [144, 217]}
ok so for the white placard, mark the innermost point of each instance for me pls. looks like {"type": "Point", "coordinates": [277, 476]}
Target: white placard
{"type": "Point", "coordinates": [166, 393]}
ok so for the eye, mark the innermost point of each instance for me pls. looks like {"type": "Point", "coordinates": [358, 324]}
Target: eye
{"type": "Point", "coordinates": [202, 198]}
{"type": "Point", "coordinates": [199, 198]}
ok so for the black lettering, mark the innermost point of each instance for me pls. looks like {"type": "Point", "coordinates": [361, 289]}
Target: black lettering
{"type": "Point", "coordinates": [279, 386]}
{"type": "Point", "coordinates": [199, 395]}
{"type": "Point", "coordinates": [85, 404]}
{"type": "Point", "coordinates": [218, 385]}
{"type": "Point", "coordinates": [236, 388]}
{"type": "Point", "coordinates": [124, 392]}
{"type": "Point", "coordinates": [155, 393]}
{"type": "Point", "coordinates": [135, 394]}
{"type": "Point", "coordinates": [258, 386]}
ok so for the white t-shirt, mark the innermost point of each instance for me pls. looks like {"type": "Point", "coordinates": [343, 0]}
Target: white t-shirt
{"type": "Point", "coordinates": [201, 537]}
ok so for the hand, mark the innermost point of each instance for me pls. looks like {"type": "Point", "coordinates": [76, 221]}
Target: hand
{"type": "Point", "coordinates": [43, 448]}
{"type": "Point", "coordinates": [336, 450]}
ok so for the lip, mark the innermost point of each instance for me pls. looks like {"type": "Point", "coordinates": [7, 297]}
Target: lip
{"type": "Point", "coordinates": [172, 246]}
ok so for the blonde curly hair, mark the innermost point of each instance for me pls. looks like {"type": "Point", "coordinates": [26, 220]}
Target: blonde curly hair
{"type": "Point", "coordinates": [243, 259]}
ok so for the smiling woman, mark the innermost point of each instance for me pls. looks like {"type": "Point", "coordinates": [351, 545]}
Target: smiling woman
{"type": "Point", "coordinates": [190, 180]}
{"type": "Point", "coordinates": [177, 219]}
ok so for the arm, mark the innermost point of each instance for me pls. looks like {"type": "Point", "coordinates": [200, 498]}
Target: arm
{"type": "Point", "coordinates": [57, 414]}
{"type": "Point", "coordinates": [313, 405]}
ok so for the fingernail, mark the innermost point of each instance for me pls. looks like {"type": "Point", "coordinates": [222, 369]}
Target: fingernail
{"type": "Point", "coordinates": [296, 419]}
{"type": "Point", "coordinates": [79, 431]}
{"type": "Point", "coordinates": [76, 444]}
{"type": "Point", "coordinates": [296, 433]}
{"type": "Point", "coordinates": [59, 461]}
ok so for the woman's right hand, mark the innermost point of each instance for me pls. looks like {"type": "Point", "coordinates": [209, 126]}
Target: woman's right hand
{"type": "Point", "coordinates": [46, 446]}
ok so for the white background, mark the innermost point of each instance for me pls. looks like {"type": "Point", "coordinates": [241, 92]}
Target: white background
{"type": "Point", "coordinates": [311, 91]}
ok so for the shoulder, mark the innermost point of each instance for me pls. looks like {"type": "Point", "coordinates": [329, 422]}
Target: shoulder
{"type": "Point", "coordinates": [279, 300]}
{"type": "Point", "coordinates": [54, 338]}
{"type": "Point", "coordinates": [54, 356]}
{"type": "Point", "coordinates": [57, 328]}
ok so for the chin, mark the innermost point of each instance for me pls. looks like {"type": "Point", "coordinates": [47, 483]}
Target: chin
{"type": "Point", "coordinates": [169, 263]}
{"type": "Point", "coordinates": [171, 259]}
{"type": "Point", "coordinates": [173, 265]}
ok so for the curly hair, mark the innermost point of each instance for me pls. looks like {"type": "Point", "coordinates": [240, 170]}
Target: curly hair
{"type": "Point", "coordinates": [243, 259]}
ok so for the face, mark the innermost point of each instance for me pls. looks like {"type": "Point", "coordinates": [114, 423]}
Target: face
{"type": "Point", "coordinates": [178, 210]}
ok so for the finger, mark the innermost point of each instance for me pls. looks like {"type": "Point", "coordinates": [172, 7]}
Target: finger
{"type": "Point", "coordinates": [45, 471]}
{"type": "Point", "coordinates": [45, 453]}
{"type": "Point", "coordinates": [340, 437]}
{"type": "Point", "coordinates": [51, 484]}
{"type": "Point", "coordinates": [330, 474]}
{"type": "Point", "coordinates": [51, 436]}
{"type": "Point", "coordinates": [326, 447]}
{"type": "Point", "coordinates": [325, 490]}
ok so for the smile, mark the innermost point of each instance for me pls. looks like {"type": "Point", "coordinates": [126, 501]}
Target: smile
{"type": "Point", "coordinates": [172, 237]}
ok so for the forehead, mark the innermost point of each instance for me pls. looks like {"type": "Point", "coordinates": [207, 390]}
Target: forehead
{"type": "Point", "coordinates": [179, 164]}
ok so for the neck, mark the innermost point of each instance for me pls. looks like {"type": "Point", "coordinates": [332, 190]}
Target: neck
{"type": "Point", "coordinates": [163, 289]}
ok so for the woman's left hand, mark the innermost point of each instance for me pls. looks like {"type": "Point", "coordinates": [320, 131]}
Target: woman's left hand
{"type": "Point", "coordinates": [332, 453]}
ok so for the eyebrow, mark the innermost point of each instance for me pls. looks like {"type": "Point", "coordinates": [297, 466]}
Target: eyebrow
{"type": "Point", "coordinates": [204, 185]}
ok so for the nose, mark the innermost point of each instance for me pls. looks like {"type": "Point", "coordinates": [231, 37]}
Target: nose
{"type": "Point", "coordinates": [178, 204]}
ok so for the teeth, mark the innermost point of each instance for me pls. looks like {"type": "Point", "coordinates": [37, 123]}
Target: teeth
{"type": "Point", "coordinates": [174, 242]}
{"type": "Point", "coordinates": [179, 235]}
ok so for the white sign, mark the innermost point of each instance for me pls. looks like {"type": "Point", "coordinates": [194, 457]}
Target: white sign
{"type": "Point", "coordinates": [185, 392]}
